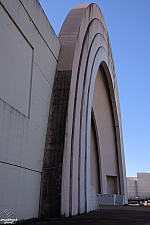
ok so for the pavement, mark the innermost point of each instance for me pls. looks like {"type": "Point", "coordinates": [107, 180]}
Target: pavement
{"type": "Point", "coordinates": [106, 215]}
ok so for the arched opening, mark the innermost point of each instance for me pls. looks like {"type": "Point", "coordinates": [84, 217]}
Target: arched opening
{"type": "Point", "coordinates": [104, 170]}
{"type": "Point", "coordinates": [94, 164]}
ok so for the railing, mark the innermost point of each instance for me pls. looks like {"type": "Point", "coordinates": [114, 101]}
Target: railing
{"type": "Point", "coordinates": [107, 199]}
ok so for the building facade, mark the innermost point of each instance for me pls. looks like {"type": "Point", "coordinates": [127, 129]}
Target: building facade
{"type": "Point", "coordinates": [139, 187]}
{"type": "Point", "coordinates": [61, 138]}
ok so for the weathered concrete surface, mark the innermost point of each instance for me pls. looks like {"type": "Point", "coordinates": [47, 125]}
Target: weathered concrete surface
{"type": "Point", "coordinates": [124, 215]}
{"type": "Point", "coordinates": [52, 167]}
{"type": "Point", "coordinates": [30, 50]}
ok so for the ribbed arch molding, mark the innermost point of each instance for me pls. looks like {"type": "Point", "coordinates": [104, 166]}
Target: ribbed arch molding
{"type": "Point", "coordinates": [94, 50]}
{"type": "Point", "coordinates": [85, 46]}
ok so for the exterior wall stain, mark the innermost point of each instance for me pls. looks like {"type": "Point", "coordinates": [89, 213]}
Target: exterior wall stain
{"type": "Point", "coordinates": [54, 147]}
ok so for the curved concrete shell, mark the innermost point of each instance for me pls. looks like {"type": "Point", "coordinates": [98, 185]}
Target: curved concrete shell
{"type": "Point", "coordinates": [84, 152]}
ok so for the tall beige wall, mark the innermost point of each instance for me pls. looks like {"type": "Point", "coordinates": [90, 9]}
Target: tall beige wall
{"type": "Point", "coordinates": [29, 53]}
{"type": "Point", "coordinates": [104, 119]}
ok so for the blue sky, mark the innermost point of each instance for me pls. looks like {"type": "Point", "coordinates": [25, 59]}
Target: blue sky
{"type": "Point", "coordinates": [128, 24]}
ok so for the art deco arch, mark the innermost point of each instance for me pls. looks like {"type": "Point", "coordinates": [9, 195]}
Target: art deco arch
{"type": "Point", "coordinates": [85, 45]}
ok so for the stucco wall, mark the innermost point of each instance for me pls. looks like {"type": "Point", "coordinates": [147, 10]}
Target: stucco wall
{"type": "Point", "coordinates": [28, 59]}
{"type": "Point", "coordinates": [102, 109]}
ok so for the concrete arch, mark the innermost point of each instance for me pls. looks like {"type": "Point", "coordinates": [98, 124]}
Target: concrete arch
{"type": "Point", "coordinates": [98, 147]}
{"type": "Point", "coordinates": [65, 188]}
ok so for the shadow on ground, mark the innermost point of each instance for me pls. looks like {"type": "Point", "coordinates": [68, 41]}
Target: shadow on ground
{"type": "Point", "coordinates": [107, 215]}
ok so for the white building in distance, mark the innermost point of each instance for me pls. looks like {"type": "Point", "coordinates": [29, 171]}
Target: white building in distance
{"type": "Point", "coordinates": [139, 187]}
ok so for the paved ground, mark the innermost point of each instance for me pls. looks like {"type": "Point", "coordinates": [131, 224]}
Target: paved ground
{"type": "Point", "coordinates": [107, 215]}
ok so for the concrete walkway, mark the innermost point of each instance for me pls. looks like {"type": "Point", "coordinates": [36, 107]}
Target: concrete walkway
{"type": "Point", "coordinates": [107, 215]}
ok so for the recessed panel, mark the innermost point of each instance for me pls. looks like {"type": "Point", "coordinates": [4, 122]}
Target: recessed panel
{"type": "Point", "coordinates": [15, 65]}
